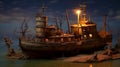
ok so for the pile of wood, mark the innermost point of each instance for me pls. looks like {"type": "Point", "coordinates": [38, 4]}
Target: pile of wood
{"type": "Point", "coordinates": [18, 55]}
{"type": "Point", "coordinates": [83, 58]}
{"type": "Point", "coordinates": [108, 54]}
{"type": "Point", "coordinates": [11, 52]}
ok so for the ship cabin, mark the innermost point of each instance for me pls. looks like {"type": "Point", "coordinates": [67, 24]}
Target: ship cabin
{"type": "Point", "coordinates": [84, 31]}
{"type": "Point", "coordinates": [84, 28]}
{"type": "Point", "coordinates": [50, 33]}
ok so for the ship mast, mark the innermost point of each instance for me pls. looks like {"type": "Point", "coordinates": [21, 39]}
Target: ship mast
{"type": "Point", "coordinates": [43, 10]}
{"type": "Point", "coordinates": [41, 24]}
{"type": "Point", "coordinates": [56, 21]}
{"type": "Point", "coordinates": [104, 26]}
{"type": "Point", "coordinates": [60, 22]}
{"type": "Point", "coordinates": [24, 28]}
{"type": "Point", "coordinates": [68, 21]}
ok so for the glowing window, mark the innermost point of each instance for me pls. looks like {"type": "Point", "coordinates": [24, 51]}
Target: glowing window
{"type": "Point", "coordinates": [84, 29]}
{"type": "Point", "coordinates": [37, 23]}
{"type": "Point", "coordinates": [90, 35]}
{"type": "Point", "coordinates": [38, 18]}
{"type": "Point", "coordinates": [85, 36]}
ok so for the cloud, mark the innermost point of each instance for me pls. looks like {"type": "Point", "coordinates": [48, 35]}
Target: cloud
{"type": "Point", "coordinates": [14, 15]}
{"type": "Point", "coordinates": [118, 12]}
{"type": "Point", "coordinates": [111, 12]}
{"type": "Point", "coordinates": [16, 2]}
{"type": "Point", "coordinates": [20, 1]}
{"type": "Point", "coordinates": [96, 11]}
{"type": "Point", "coordinates": [90, 2]}
{"type": "Point", "coordinates": [117, 17]}
{"type": "Point", "coordinates": [10, 18]}
{"type": "Point", "coordinates": [1, 4]}
{"type": "Point", "coordinates": [53, 2]}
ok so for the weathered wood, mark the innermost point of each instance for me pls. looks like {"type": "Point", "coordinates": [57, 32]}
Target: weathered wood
{"type": "Point", "coordinates": [101, 57]}
{"type": "Point", "coordinates": [106, 55]}
{"type": "Point", "coordinates": [84, 58]}
{"type": "Point", "coordinates": [7, 41]}
{"type": "Point", "coordinates": [116, 56]}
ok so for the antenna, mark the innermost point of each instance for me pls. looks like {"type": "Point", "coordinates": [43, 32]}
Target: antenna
{"type": "Point", "coordinates": [104, 26]}
{"type": "Point", "coordinates": [43, 10]}
{"type": "Point", "coordinates": [83, 15]}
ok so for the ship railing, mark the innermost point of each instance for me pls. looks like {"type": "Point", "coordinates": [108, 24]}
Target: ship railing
{"type": "Point", "coordinates": [62, 40]}
{"type": "Point", "coordinates": [59, 39]}
{"type": "Point", "coordinates": [28, 39]}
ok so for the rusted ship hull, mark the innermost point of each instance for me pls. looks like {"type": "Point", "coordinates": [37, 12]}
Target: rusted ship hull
{"type": "Point", "coordinates": [53, 50]}
{"type": "Point", "coordinates": [50, 41]}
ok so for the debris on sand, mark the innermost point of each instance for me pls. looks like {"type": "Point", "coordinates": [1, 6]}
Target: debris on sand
{"type": "Point", "coordinates": [108, 54]}
{"type": "Point", "coordinates": [18, 55]}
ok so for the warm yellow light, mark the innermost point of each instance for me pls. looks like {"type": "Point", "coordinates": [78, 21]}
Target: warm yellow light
{"type": "Point", "coordinates": [78, 11]}
{"type": "Point", "coordinates": [90, 65]}
{"type": "Point", "coordinates": [90, 35]}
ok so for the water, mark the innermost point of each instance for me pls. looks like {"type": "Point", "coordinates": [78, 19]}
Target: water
{"type": "Point", "coordinates": [5, 62]}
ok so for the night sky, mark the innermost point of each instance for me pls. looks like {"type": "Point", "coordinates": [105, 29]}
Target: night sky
{"type": "Point", "coordinates": [12, 13]}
